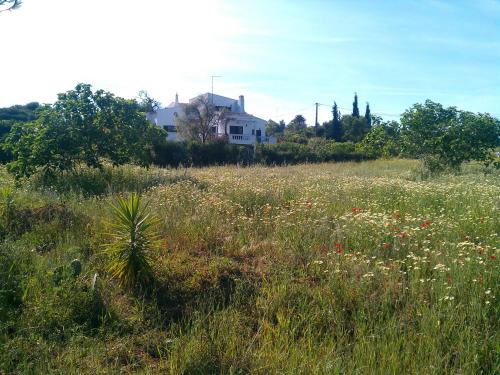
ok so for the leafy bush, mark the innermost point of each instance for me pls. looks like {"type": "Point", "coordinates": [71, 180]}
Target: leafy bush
{"type": "Point", "coordinates": [218, 153]}
{"type": "Point", "coordinates": [444, 138]}
{"type": "Point", "coordinates": [380, 142]}
{"type": "Point", "coordinates": [317, 150]}
{"type": "Point", "coordinates": [170, 154]}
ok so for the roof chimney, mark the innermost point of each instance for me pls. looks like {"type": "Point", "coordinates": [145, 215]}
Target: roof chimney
{"type": "Point", "coordinates": [176, 99]}
{"type": "Point", "coordinates": [241, 103]}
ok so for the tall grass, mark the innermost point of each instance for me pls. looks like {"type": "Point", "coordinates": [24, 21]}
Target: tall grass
{"type": "Point", "coordinates": [311, 269]}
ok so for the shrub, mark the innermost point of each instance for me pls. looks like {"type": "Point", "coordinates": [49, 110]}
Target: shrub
{"type": "Point", "coordinates": [317, 150]}
{"type": "Point", "coordinates": [445, 138]}
{"type": "Point", "coordinates": [218, 152]}
{"type": "Point", "coordinates": [131, 240]}
{"type": "Point", "coordinates": [170, 154]}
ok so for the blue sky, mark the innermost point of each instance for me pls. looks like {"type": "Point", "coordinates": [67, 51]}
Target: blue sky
{"type": "Point", "coordinates": [282, 55]}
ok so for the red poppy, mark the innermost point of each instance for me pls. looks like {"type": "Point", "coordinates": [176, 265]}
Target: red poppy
{"type": "Point", "coordinates": [356, 209]}
{"type": "Point", "coordinates": [338, 247]}
{"type": "Point", "coordinates": [493, 257]}
{"type": "Point", "coordinates": [425, 224]}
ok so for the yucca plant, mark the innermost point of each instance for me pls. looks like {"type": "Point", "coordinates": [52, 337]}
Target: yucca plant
{"type": "Point", "coordinates": [132, 238]}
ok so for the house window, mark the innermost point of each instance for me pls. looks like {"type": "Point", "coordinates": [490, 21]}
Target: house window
{"type": "Point", "coordinates": [236, 130]}
{"type": "Point", "coordinates": [214, 129]}
{"type": "Point", "coordinates": [253, 131]}
{"type": "Point", "coordinates": [170, 128]}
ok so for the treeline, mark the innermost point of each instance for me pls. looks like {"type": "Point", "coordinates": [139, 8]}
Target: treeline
{"type": "Point", "coordinates": [341, 128]}
{"type": "Point", "coordinates": [89, 128]}
{"type": "Point", "coordinates": [442, 138]}
{"type": "Point", "coordinates": [220, 152]}
{"type": "Point", "coordinates": [12, 115]}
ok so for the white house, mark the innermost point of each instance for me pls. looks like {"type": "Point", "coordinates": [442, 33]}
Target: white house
{"type": "Point", "coordinates": [240, 127]}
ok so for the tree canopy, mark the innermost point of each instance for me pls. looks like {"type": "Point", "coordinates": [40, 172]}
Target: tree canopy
{"type": "Point", "coordinates": [147, 103]}
{"type": "Point", "coordinates": [447, 137]}
{"type": "Point", "coordinates": [195, 121]}
{"type": "Point", "coordinates": [82, 127]}
{"type": "Point", "coordinates": [297, 124]}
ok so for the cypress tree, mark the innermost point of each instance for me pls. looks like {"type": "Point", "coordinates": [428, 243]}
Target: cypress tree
{"type": "Point", "coordinates": [368, 116]}
{"type": "Point", "coordinates": [355, 109]}
{"type": "Point", "coordinates": [336, 126]}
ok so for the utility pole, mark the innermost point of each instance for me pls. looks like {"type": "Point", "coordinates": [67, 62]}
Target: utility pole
{"type": "Point", "coordinates": [316, 124]}
{"type": "Point", "coordinates": [213, 87]}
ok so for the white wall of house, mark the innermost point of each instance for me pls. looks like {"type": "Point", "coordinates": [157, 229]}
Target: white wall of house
{"type": "Point", "coordinates": [242, 128]}
{"type": "Point", "coordinates": [165, 119]}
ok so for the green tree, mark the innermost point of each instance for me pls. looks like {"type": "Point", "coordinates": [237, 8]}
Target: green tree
{"type": "Point", "coordinates": [354, 128]}
{"type": "Point", "coordinates": [147, 103]}
{"type": "Point", "coordinates": [334, 129]}
{"type": "Point", "coordinates": [368, 117]}
{"type": "Point", "coordinates": [10, 116]}
{"type": "Point", "coordinates": [197, 119]}
{"type": "Point", "coordinates": [274, 128]}
{"type": "Point", "coordinates": [380, 141]}
{"type": "Point", "coordinates": [446, 137]}
{"type": "Point", "coordinates": [297, 124]}
{"type": "Point", "coordinates": [355, 108]}
{"type": "Point", "coordinates": [82, 127]}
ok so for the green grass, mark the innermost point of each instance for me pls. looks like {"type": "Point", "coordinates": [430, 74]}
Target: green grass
{"type": "Point", "coordinates": [358, 268]}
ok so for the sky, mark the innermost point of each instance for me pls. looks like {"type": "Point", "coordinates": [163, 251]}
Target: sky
{"type": "Point", "coordinates": [283, 56]}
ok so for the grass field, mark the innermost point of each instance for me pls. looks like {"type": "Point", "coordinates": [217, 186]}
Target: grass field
{"type": "Point", "coordinates": [312, 269]}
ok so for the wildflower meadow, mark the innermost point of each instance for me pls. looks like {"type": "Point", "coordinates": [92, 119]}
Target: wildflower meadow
{"type": "Point", "coordinates": [338, 268]}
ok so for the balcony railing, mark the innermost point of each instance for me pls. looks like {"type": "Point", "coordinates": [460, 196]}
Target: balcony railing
{"type": "Point", "coordinates": [246, 138]}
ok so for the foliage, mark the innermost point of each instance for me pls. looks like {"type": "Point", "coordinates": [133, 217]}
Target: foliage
{"type": "Point", "coordinates": [381, 141]}
{"type": "Point", "coordinates": [218, 153]}
{"type": "Point", "coordinates": [316, 150]}
{"type": "Point", "coordinates": [6, 5]}
{"type": "Point", "coordinates": [326, 268]}
{"type": "Point", "coordinates": [10, 116]}
{"type": "Point", "coordinates": [354, 128]}
{"type": "Point", "coordinates": [19, 113]}
{"type": "Point", "coordinates": [147, 104]}
{"type": "Point", "coordinates": [446, 137]}
{"type": "Point", "coordinates": [333, 128]}
{"type": "Point", "coordinates": [212, 152]}
{"type": "Point", "coordinates": [275, 129]}
{"type": "Point", "coordinates": [132, 238]}
{"type": "Point", "coordinates": [171, 154]}
{"type": "Point", "coordinates": [297, 124]}
{"type": "Point", "coordinates": [196, 120]}
{"type": "Point", "coordinates": [82, 127]}
{"type": "Point", "coordinates": [355, 108]}
{"type": "Point", "coordinates": [109, 180]}
{"type": "Point", "coordinates": [368, 116]}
